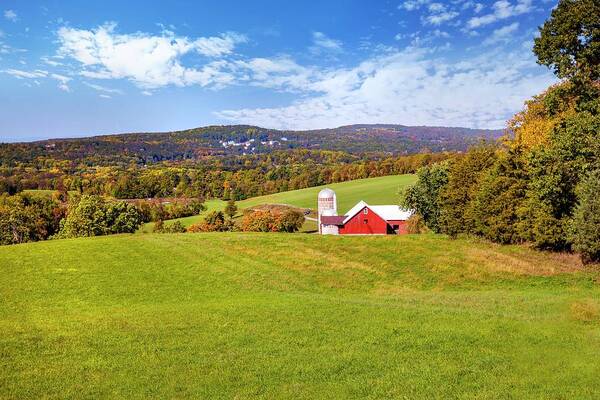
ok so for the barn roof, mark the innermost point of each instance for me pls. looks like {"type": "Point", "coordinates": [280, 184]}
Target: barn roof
{"type": "Point", "coordinates": [388, 213]}
{"type": "Point", "coordinates": [332, 219]}
{"type": "Point", "coordinates": [391, 212]}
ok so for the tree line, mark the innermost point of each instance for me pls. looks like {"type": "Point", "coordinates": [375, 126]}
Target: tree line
{"type": "Point", "coordinates": [542, 185]}
{"type": "Point", "coordinates": [239, 177]}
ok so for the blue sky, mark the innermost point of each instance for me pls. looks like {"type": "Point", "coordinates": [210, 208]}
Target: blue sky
{"type": "Point", "coordinates": [72, 68]}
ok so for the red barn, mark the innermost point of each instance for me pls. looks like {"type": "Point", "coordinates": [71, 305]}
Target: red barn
{"type": "Point", "coordinates": [364, 219]}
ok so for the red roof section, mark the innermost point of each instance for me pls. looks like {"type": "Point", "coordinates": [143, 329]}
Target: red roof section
{"type": "Point", "coordinates": [332, 219]}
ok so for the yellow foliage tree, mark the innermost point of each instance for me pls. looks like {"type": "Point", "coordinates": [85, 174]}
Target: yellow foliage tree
{"type": "Point", "coordinates": [532, 126]}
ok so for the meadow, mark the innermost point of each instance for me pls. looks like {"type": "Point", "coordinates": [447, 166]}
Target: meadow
{"type": "Point", "coordinates": [380, 190]}
{"type": "Point", "coordinates": [246, 315]}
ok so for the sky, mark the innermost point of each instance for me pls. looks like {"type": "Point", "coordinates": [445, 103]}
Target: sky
{"type": "Point", "coordinates": [71, 68]}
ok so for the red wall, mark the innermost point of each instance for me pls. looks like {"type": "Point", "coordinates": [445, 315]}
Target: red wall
{"type": "Point", "coordinates": [356, 225]}
{"type": "Point", "coordinates": [402, 228]}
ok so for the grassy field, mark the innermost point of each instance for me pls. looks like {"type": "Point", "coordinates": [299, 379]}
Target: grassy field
{"type": "Point", "coordinates": [382, 190]}
{"type": "Point", "coordinates": [295, 316]}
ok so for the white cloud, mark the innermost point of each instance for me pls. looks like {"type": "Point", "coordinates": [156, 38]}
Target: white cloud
{"type": "Point", "coordinates": [105, 96]}
{"type": "Point", "coordinates": [440, 18]}
{"type": "Point", "coordinates": [437, 7]}
{"type": "Point", "coordinates": [218, 46]}
{"type": "Point", "coordinates": [149, 61]}
{"type": "Point", "coordinates": [503, 34]}
{"type": "Point", "coordinates": [10, 15]}
{"type": "Point", "coordinates": [501, 10]}
{"type": "Point", "coordinates": [409, 87]}
{"type": "Point", "coordinates": [324, 43]}
{"type": "Point", "coordinates": [280, 73]}
{"type": "Point", "coordinates": [39, 73]}
{"type": "Point", "coordinates": [411, 5]}
{"type": "Point", "coordinates": [19, 74]}
{"type": "Point", "coordinates": [147, 93]}
{"type": "Point", "coordinates": [103, 89]}
{"type": "Point", "coordinates": [63, 82]}
{"type": "Point", "coordinates": [50, 62]}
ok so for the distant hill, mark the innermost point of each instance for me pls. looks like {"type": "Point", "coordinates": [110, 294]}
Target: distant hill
{"type": "Point", "coordinates": [244, 139]}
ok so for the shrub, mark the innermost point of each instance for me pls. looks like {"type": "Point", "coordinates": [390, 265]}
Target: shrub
{"type": "Point", "coordinates": [271, 221]}
{"type": "Point", "coordinates": [415, 224]}
{"type": "Point", "coordinates": [175, 227]}
{"type": "Point", "coordinates": [214, 221]}
{"type": "Point", "coordinates": [258, 221]}
{"type": "Point", "coordinates": [159, 226]}
{"type": "Point", "coordinates": [290, 221]}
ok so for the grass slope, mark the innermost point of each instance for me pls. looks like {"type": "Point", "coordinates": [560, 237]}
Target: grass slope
{"type": "Point", "coordinates": [295, 316]}
{"type": "Point", "coordinates": [381, 190]}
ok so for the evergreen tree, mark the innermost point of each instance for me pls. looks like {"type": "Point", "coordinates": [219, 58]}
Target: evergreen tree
{"type": "Point", "coordinates": [586, 222]}
{"type": "Point", "coordinates": [231, 208]}
{"type": "Point", "coordinates": [463, 179]}
{"type": "Point", "coordinates": [423, 196]}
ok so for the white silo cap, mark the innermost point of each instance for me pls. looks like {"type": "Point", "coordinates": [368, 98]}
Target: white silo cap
{"type": "Point", "coordinates": [326, 193]}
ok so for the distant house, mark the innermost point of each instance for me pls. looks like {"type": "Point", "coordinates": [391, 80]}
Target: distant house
{"type": "Point", "coordinates": [362, 219]}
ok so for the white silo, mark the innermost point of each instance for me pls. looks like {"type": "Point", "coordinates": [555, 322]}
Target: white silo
{"type": "Point", "coordinates": [329, 229]}
{"type": "Point", "coordinates": [326, 203]}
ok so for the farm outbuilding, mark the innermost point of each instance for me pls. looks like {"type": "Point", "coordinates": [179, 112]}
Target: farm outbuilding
{"type": "Point", "coordinates": [362, 219]}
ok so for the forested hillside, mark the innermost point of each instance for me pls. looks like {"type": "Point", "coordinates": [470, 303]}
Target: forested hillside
{"type": "Point", "coordinates": [194, 144]}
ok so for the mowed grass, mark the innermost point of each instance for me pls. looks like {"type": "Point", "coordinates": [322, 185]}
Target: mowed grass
{"type": "Point", "coordinates": [381, 190]}
{"type": "Point", "coordinates": [295, 316]}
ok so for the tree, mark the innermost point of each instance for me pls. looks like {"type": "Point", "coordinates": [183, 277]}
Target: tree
{"type": "Point", "coordinates": [463, 180]}
{"type": "Point", "coordinates": [586, 222]}
{"type": "Point", "coordinates": [85, 217]}
{"type": "Point", "coordinates": [25, 219]}
{"type": "Point", "coordinates": [533, 126]}
{"type": "Point", "coordinates": [91, 215]}
{"type": "Point", "coordinates": [494, 209]}
{"type": "Point", "coordinates": [289, 221]}
{"type": "Point", "coordinates": [122, 217]}
{"type": "Point", "coordinates": [231, 208]}
{"type": "Point", "coordinates": [569, 41]}
{"type": "Point", "coordinates": [423, 196]}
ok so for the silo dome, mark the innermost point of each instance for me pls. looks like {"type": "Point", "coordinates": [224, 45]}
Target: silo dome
{"type": "Point", "coordinates": [326, 193]}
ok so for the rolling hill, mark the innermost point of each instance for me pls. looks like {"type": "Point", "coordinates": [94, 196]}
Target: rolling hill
{"type": "Point", "coordinates": [193, 144]}
{"type": "Point", "coordinates": [381, 190]}
{"type": "Point", "coordinates": [295, 316]}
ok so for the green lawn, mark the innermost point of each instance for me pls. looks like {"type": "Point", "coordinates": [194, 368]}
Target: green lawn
{"type": "Point", "coordinates": [382, 190]}
{"type": "Point", "coordinates": [295, 316]}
